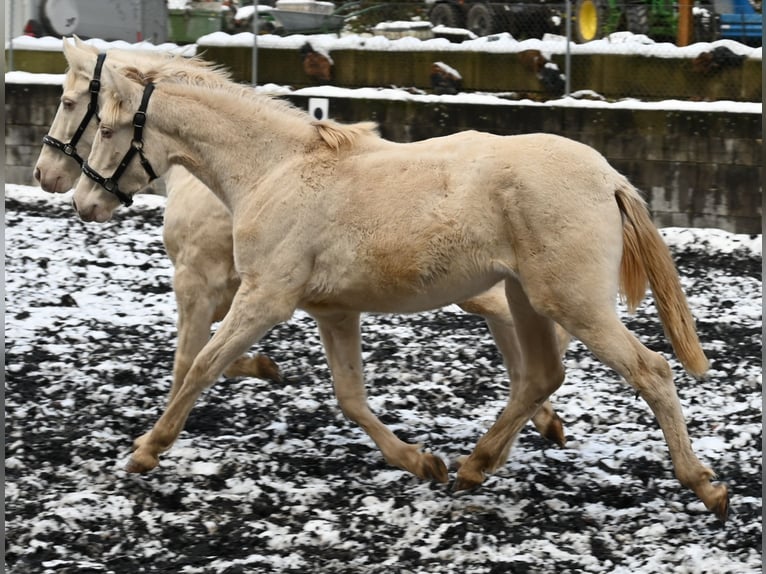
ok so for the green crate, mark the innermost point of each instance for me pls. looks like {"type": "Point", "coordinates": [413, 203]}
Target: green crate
{"type": "Point", "coordinates": [185, 26]}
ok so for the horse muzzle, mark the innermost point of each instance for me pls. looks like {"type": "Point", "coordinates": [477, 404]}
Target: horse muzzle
{"type": "Point", "coordinates": [92, 212]}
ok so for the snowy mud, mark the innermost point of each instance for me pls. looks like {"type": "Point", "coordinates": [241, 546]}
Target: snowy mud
{"type": "Point", "coordinates": [271, 478]}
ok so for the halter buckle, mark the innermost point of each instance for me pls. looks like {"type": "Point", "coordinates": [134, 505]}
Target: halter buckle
{"type": "Point", "coordinates": [139, 119]}
{"type": "Point", "coordinates": [95, 86]}
{"type": "Point", "coordinates": [68, 149]}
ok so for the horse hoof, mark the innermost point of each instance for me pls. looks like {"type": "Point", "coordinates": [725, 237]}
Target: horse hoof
{"type": "Point", "coordinates": [555, 432]}
{"type": "Point", "coordinates": [268, 369]}
{"type": "Point", "coordinates": [721, 506]}
{"type": "Point", "coordinates": [140, 463]}
{"type": "Point", "coordinates": [467, 480]}
{"type": "Point", "coordinates": [434, 468]}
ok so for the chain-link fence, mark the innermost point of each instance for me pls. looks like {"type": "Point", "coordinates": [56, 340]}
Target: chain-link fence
{"type": "Point", "coordinates": [573, 43]}
{"type": "Point", "coordinates": [609, 49]}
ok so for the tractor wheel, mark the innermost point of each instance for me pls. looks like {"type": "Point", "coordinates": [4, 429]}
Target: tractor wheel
{"type": "Point", "coordinates": [637, 18]}
{"type": "Point", "coordinates": [589, 20]}
{"type": "Point", "coordinates": [707, 25]}
{"type": "Point", "coordinates": [445, 15]}
{"type": "Point", "coordinates": [481, 21]}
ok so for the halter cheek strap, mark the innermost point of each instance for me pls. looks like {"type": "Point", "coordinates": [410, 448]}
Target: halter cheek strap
{"type": "Point", "coordinates": [70, 149]}
{"type": "Point", "coordinates": [110, 184]}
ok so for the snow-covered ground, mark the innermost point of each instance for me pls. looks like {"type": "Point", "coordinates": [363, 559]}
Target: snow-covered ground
{"type": "Point", "coordinates": [271, 478]}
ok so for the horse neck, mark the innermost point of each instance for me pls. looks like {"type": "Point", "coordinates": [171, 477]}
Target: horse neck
{"type": "Point", "coordinates": [229, 147]}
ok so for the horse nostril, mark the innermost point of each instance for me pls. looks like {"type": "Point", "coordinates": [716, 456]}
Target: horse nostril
{"type": "Point", "coordinates": [37, 173]}
{"type": "Point", "coordinates": [74, 204]}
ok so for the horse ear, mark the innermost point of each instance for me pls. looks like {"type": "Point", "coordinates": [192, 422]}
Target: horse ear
{"type": "Point", "coordinates": [82, 45]}
{"type": "Point", "coordinates": [78, 54]}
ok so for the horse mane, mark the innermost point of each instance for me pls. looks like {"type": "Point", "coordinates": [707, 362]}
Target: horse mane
{"type": "Point", "coordinates": [159, 67]}
{"type": "Point", "coordinates": [171, 68]}
{"type": "Point", "coordinates": [337, 135]}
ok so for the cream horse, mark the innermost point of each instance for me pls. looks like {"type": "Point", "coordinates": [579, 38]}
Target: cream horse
{"type": "Point", "coordinates": [337, 221]}
{"type": "Point", "coordinates": [197, 235]}
{"type": "Point", "coordinates": [197, 230]}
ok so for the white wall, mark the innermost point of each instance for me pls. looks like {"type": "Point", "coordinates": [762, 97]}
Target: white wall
{"type": "Point", "coordinates": [23, 10]}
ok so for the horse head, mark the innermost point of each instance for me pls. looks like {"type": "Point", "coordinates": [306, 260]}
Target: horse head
{"type": "Point", "coordinates": [74, 125]}
{"type": "Point", "coordinates": [118, 165]}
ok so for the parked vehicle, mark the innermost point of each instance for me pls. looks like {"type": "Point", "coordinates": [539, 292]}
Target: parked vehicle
{"type": "Point", "coordinates": [593, 19]}
{"type": "Point", "coordinates": [128, 20]}
{"type": "Point", "coordinates": [523, 19]}
{"type": "Point", "coordinates": [738, 20]}
{"type": "Point", "coordinates": [658, 19]}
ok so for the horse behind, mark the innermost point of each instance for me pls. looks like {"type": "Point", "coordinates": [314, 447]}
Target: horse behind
{"type": "Point", "coordinates": [337, 221]}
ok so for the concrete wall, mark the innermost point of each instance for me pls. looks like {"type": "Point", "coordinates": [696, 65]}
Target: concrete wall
{"type": "Point", "coordinates": [696, 169]}
{"type": "Point", "coordinates": [611, 75]}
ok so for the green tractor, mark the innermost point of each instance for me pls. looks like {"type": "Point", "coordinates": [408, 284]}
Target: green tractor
{"type": "Point", "coordinates": [591, 19]}
{"type": "Point", "coordinates": [658, 19]}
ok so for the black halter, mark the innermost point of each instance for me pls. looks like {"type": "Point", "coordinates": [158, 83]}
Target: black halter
{"type": "Point", "coordinates": [136, 147]}
{"type": "Point", "coordinates": [70, 149]}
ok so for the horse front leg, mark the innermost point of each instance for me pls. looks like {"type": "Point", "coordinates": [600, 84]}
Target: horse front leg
{"type": "Point", "coordinates": [492, 306]}
{"type": "Point", "coordinates": [253, 312]}
{"type": "Point", "coordinates": [341, 339]}
{"type": "Point", "coordinates": [200, 301]}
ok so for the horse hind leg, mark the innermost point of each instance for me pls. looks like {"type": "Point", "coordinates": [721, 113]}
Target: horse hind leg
{"type": "Point", "coordinates": [538, 372]}
{"type": "Point", "coordinates": [650, 374]}
{"type": "Point", "coordinates": [340, 334]}
{"type": "Point", "coordinates": [492, 305]}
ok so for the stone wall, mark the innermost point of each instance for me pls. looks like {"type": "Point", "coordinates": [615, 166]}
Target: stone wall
{"type": "Point", "coordinates": [29, 111]}
{"type": "Point", "coordinates": [696, 169]}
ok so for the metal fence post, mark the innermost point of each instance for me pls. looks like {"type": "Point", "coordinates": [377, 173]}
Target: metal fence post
{"type": "Point", "coordinates": [254, 69]}
{"type": "Point", "coordinates": [10, 37]}
{"type": "Point", "coordinates": [567, 58]}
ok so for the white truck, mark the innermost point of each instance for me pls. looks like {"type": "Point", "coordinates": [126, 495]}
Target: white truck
{"type": "Point", "coordinates": [128, 20]}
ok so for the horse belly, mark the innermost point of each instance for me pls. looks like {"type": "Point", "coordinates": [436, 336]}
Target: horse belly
{"type": "Point", "coordinates": [396, 289]}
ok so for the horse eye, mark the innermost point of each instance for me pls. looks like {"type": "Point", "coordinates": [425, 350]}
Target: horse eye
{"type": "Point", "coordinates": [68, 104]}
{"type": "Point", "coordinates": [106, 132]}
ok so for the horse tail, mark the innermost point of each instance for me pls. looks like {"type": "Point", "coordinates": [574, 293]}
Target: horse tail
{"type": "Point", "coordinates": [645, 256]}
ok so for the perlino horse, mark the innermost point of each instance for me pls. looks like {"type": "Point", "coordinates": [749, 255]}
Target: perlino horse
{"type": "Point", "coordinates": [337, 221]}
{"type": "Point", "coordinates": [199, 244]}
{"type": "Point", "coordinates": [197, 231]}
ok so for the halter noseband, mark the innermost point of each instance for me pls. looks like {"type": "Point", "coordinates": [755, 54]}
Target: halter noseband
{"type": "Point", "coordinates": [70, 149]}
{"type": "Point", "coordinates": [136, 147]}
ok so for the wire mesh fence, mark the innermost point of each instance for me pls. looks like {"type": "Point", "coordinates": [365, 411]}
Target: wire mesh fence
{"type": "Point", "coordinates": [609, 49]}
{"type": "Point", "coordinates": [568, 38]}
